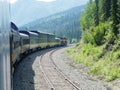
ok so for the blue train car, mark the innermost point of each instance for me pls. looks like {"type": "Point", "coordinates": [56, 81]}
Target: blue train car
{"type": "Point", "coordinates": [5, 69]}
{"type": "Point", "coordinates": [33, 39]}
{"type": "Point", "coordinates": [57, 41]}
{"type": "Point", "coordinates": [25, 44]}
{"type": "Point", "coordinates": [42, 39]}
{"type": "Point", "coordinates": [14, 44]}
{"type": "Point", "coordinates": [51, 40]}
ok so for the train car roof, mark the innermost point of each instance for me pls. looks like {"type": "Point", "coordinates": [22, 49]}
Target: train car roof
{"type": "Point", "coordinates": [43, 33]}
{"type": "Point", "coordinates": [39, 32]}
{"type": "Point", "coordinates": [28, 32]}
{"type": "Point", "coordinates": [57, 38]}
{"type": "Point", "coordinates": [14, 27]}
{"type": "Point", "coordinates": [22, 34]}
{"type": "Point", "coordinates": [51, 34]}
{"type": "Point", "coordinates": [33, 33]}
{"type": "Point", "coordinates": [62, 37]}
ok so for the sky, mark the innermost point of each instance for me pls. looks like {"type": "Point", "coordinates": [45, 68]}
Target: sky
{"type": "Point", "coordinates": [47, 1]}
{"type": "Point", "coordinates": [13, 1]}
{"type": "Point", "coordinates": [25, 11]}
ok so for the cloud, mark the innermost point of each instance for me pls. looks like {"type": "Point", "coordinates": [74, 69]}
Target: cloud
{"type": "Point", "coordinates": [46, 0]}
{"type": "Point", "coordinates": [13, 1]}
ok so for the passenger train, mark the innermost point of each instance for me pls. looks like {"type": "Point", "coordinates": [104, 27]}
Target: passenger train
{"type": "Point", "coordinates": [23, 42]}
{"type": "Point", "coordinates": [15, 43]}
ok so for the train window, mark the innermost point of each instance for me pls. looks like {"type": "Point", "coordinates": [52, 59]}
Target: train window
{"type": "Point", "coordinates": [25, 41]}
{"type": "Point", "coordinates": [16, 44]}
{"type": "Point", "coordinates": [34, 40]}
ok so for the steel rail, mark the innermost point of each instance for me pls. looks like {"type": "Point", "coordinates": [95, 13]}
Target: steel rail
{"type": "Point", "coordinates": [59, 70]}
{"type": "Point", "coordinates": [44, 74]}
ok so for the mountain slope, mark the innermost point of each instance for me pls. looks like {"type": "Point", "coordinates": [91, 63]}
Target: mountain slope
{"type": "Point", "coordinates": [64, 24]}
{"type": "Point", "coordinates": [24, 11]}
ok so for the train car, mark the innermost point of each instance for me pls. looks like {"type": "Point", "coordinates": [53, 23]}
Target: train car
{"type": "Point", "coordinates": [25, 44]}
{"type": "Point", "coordinates": [34, 40]}
{"type": "Point", "coordinates": [42, 39]}
{"type": "Point", "coordinates": [63, 41]}
{"type": "Point", "coordinates": [14, 44]}
{"type": "Point", "coordinates": [57, 42]}
{"type": "Point", "coordinates": [50, 40]}
{"type": "Point", "coordinates": [5, 69]}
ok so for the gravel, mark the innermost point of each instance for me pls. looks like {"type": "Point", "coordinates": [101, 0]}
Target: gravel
{"type": "Point", "coordinates": [28, 75]}
{"type": "Point", "coordinates": [78, 76]}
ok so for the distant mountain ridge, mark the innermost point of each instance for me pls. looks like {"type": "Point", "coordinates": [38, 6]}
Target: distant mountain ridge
{"type": "Point", "coordinates": [74, 10]}
{"type": "Point", "coordinates": [24, 11]}
{"type": "Point", "coordinates": [65, 23]}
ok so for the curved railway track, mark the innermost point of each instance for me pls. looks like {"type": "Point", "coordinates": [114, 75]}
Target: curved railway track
{"type": "Point", "coordinates": [54, 76]}
{"type": "Point", "coordinates": [44, 70]}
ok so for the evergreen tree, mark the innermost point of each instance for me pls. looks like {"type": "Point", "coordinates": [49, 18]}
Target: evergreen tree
{"type": "Point", "coordinates": [115, 17]}
{"type": "Point", "coordinates": [106, 7]}
{"type": "Point", "coordinates": [97, 13]}
{"type": "Point", "coordinates": [119, 14]}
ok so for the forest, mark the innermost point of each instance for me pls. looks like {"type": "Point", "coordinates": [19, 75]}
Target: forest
{"type": "Point", "coordinates": [64, 24]}
{"type": "Point", "coordinates": [99, 47]}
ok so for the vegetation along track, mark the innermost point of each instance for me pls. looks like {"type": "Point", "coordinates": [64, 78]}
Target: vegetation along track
{"type": "Point", "coordinates": [55, 78]}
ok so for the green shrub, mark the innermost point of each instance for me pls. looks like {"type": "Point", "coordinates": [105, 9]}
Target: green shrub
{"type": "Point", "coordinates": [88, 37]}
{"type": "Point", "coordinates": [107, 66]}
{"type": "Point", "coordinates": [97, 35]}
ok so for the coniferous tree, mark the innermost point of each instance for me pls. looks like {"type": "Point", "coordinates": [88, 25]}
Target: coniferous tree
{"type": "Point", "coordinates": [119, 14]}
{"type": "Point", "coordinates": [106, 7]}
{"type": "Point", "coordinates": [114, 15]}
{"type": "Point", "coordinates": [97, 12]}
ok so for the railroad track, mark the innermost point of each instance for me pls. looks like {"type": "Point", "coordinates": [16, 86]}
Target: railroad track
{"type": "Point", "coordinates": [50, 85]}
{"type": "Point", "coordinates": [53, 75]}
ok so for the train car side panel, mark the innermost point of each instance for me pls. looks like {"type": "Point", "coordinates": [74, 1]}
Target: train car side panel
{"type": "Point", "coordinates": [25, 43]}
{"type": "Point", "coordinates": [43, 40]}
{"type": "Point", "coordinates": [51, 40]}
{"type": "Point", "coordinates": [5, 77]}
{"type": "Point", "coordinates": [34, 42]}
{"type": "Point", "coordinates": [15, 44]}
{"type": "Point", "coordinates": [57, 42]}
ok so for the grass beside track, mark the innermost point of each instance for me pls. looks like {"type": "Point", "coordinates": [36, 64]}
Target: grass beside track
{"type": "Point", "coordinates": [105, 65]}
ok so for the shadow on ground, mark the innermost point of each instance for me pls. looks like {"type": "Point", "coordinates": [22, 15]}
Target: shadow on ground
{"type": "Point", "coordinates": [24, 74]}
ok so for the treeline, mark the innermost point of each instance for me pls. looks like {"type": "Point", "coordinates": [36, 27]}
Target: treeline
{"type": "Point", "coordinates": [99, 47]}
{"type": "Point", "coordinates": [101, 22]}
{"type": "Point", "coordinates": [64, 24]}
